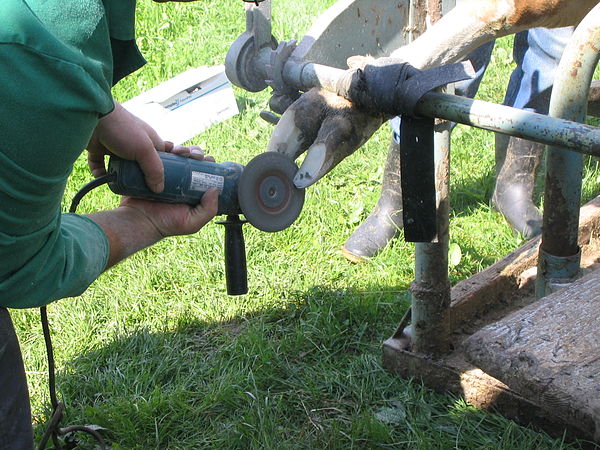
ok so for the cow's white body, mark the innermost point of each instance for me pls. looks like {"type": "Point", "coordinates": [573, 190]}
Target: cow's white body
{"type": "Point", "coordinates": [473, 22]}
{"type": "Point", "coordinates": [329, 128]}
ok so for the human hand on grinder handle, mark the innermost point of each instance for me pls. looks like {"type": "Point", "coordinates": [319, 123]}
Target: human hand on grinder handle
{"type": "Point", "coordinates": [175, 219]}
{"type": "Point", "coordinates": [137, 223]}
{"type": "Point", "coordinates": [331, 127]}
{"type": "Point", "coordinates": [122, 134]}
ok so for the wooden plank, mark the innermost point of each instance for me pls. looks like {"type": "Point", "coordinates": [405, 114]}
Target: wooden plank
{"type": "Point", "coordinates": [455, 375]}
{"type": "Point", "coordinates": [549, 352]}
{"type": "Point", "coordinates": [513, 276]}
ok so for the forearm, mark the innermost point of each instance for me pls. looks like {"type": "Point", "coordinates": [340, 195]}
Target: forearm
{"type": "Point", "coordinates": [128, 230]}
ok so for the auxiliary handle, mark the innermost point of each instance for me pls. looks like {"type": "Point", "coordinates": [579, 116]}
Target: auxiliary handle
{"type": "Point", "coordinates": [236, 274]}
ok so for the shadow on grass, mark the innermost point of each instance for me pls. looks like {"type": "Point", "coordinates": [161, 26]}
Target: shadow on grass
{"type": "Point", "coordinates": [199, 383]}
{"type": "Point", "coordinates": [305, 375]}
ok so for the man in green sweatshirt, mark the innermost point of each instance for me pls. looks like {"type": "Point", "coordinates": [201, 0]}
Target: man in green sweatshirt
{"type": "Point", "coordinates": [58, 62]}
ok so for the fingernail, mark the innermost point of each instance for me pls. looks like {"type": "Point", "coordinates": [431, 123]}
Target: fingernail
{"type": "Point", "coordinates": [197, 152]}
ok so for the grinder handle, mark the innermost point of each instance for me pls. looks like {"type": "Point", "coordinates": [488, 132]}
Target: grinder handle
{"type": "Point", "coordinates": [236, 274]}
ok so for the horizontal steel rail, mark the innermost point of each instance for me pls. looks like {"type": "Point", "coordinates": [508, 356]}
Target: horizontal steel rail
{"type": "Point", "coordinates": [476, 113]}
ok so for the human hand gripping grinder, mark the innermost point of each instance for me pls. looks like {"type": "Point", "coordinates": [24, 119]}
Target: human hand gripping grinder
{"type": "Point", "coordinates": [263, 191]}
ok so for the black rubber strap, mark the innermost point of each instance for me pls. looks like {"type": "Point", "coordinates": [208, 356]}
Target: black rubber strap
{"type": "Point", "coordinates": [393, 87]}
{"type": "Point", "coordinates": [417, 176]}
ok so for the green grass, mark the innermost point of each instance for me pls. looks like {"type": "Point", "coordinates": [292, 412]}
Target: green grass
{"type": "Point", "coordinates": [160, 356]}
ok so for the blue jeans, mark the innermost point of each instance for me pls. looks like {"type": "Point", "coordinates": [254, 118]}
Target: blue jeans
{"type": "Point", "coordinates": [537, 53]}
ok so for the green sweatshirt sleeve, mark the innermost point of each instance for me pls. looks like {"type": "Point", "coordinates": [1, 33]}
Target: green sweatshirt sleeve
{"type": "Point", "coordinates": [74, 254]}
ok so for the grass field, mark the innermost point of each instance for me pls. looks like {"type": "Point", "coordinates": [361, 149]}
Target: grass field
{"type": "Point", "coordinates": [160, 356]}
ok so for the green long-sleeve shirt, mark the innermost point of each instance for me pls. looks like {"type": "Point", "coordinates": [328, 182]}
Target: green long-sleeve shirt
{"type": "Point", "coordinates": [58, 62]}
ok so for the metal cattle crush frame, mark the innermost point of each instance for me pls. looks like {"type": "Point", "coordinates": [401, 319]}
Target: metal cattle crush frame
{"type": "Point", "coordinates": [470, 339]}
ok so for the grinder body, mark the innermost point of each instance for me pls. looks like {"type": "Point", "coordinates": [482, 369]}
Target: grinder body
{"type": "Point", "coordinates": [186, 181]}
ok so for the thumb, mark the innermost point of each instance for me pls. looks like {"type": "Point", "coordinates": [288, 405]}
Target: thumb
{"type": "Point", "coordinates": [207, 209]}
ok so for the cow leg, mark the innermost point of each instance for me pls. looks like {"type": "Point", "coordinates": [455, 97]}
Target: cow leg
{"type": "Point", "coordinates": [385, 221]}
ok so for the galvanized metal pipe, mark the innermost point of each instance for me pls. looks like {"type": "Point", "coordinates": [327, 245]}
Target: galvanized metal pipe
{"type": "Point", "coordinates": [559, 257]}
{"type": "Point", "coordinates": [512, 121]}
{"type": "Point", "coordinates": [430, 290]}
{"type": "Point", "coordinates": [477, 113]}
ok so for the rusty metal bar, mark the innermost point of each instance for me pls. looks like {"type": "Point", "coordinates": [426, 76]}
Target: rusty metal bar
{"type": "Point", "coordinates": [559, 257]}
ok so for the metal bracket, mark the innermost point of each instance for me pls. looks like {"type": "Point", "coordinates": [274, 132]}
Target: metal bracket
{"type": "Point", "coordinates": [242, 62]}
{"type": "Point", "coordinates": [283, 95]}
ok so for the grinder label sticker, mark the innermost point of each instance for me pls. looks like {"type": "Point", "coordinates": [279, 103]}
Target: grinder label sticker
{"type": "Point", "coordinates": [204, 181]}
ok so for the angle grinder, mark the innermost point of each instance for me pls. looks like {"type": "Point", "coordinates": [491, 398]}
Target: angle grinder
{"type": "Point", "coordinates": [263, 191]}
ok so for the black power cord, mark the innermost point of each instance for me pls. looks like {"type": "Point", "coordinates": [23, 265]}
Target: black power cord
{"type": "Point", "coordinates": [53, 430]}
{"type": "Point", "coordinates": [88, 187]}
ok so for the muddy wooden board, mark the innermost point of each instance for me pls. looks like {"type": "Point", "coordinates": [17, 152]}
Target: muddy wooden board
{"type": "Point", "coordinates": [549, 352]}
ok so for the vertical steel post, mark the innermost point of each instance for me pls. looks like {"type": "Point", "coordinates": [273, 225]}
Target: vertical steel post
{"type": "Point", "coordinates": [559, 256]}
{"type": "Point", "coordinates": [430, 290]}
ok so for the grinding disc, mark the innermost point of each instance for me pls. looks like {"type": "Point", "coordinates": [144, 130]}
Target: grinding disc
{"type": "Point", "coordinates": [266, 192]}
